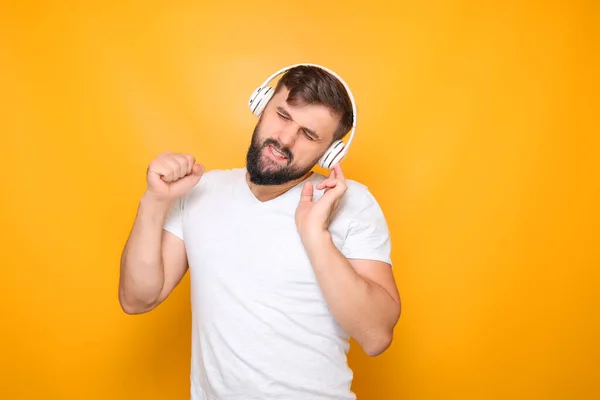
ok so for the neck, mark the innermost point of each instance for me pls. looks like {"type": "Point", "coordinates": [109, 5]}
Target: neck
{"type": "Point", "coordinates": [266, 193]}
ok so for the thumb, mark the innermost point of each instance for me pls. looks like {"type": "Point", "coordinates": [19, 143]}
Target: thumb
{"type": "Point", "coordinates": [307, 193]}
{"type": "Point", "coordinates": [194, 177]}
{"type": "Point", "coordinates": [197, 170]}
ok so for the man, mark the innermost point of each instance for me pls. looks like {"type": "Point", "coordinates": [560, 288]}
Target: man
{"type": "Point", "coordinates": [285, 264]}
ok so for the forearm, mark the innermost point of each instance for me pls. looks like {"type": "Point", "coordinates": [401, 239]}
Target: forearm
{"type": "Point", "coordinates": [365, 310]}
{"type": "Point", "coordinates": [142, 267]}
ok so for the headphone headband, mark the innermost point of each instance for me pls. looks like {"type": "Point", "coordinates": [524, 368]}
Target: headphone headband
{"type": "Point", "coordinates": [339, 78]}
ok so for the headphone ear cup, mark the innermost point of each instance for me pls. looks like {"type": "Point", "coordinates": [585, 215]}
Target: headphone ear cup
{"type": "Point", "coordinates": [337, 159]}
{"type": "Point", "coordinates": [333, 155]}
{"type": "Point", "coordinates": [259, 100]}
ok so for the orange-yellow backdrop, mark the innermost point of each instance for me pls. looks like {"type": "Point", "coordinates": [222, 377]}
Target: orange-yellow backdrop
{"type": "Point", "coordinates": [476, 133]}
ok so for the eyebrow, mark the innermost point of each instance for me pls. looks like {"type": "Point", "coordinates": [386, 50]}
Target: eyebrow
{"type": "Point", "coordinates": [307, 130]}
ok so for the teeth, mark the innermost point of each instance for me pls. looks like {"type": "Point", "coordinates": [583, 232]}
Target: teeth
{"type": "Point", "coordinates": [277, 153]}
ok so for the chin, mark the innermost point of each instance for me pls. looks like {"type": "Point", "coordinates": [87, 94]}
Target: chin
{"type": "Point", "coordinates": [263, 170]}
{"type": "Point", "coordinates": [266, 174]}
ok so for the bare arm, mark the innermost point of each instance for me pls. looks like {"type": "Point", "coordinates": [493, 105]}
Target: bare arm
{"type": "Point", "coordinates": [362, 294]}
{"type": "Point", "coordinates": [153, 261]}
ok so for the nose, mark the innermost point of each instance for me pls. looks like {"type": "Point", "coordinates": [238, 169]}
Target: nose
{"type": "Point", "coordinates": [287, 135]}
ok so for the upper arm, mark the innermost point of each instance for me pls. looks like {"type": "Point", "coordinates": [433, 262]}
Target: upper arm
{"type": "Point", "coordinates": [379, 273]}
{"type": "Point", "coordinates": [174, 257]}
{"type": "Point", "coordinates": [368, 245]}
{"type": "Point", "coordinates": [175, 263]}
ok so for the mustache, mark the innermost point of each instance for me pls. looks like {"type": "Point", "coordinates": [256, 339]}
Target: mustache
{"type": "Point", "coordinates": [287, 152]}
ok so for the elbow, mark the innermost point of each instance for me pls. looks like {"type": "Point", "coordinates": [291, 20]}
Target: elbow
{"type": "Point", "coordinates": [132, 307]}
{"type": "Point", "coordinates": [381, 339]}
{"type": "Point", "coordinates": [377, 345]}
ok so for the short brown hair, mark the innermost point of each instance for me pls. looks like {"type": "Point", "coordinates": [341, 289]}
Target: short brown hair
{"type": "Point", "coordinates": [312, 85]}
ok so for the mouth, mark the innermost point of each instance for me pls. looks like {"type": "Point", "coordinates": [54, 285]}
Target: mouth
{"type": "Point", "coordinates": [276, 154]}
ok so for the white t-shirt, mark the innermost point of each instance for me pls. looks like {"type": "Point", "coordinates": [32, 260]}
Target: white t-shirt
{"type": "Point", "coordinates": [261, 328]}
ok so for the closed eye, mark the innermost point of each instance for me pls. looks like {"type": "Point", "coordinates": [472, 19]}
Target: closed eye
{"type": "Point", "coordinates": [284, 117]}
{"type": "Point", "coordinates": [308, 135]}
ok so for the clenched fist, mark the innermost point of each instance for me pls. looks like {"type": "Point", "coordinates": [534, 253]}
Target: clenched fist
{"type": "Point", "coordinates": [171, 175]}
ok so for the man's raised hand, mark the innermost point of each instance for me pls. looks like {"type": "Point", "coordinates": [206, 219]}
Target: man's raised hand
{"type": "Point", "coordinates": [314, 217]}
{"type": "Point", "coordinates": [172, 175]}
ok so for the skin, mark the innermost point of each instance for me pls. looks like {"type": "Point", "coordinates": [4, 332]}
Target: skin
{"type": "Point", "coordinates": [362, 294]}
{"type": "Point", "coordinates": [305, 132]}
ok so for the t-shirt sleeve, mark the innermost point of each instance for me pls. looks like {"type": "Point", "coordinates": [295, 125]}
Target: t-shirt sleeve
{"type": "Point", "coordinates": [368, 234]}
{"type": "Point", "coordinates": [174, 220]}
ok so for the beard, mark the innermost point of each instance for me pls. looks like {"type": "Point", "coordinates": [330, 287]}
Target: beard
{"type": "Point", "coordinates": [263, 171]}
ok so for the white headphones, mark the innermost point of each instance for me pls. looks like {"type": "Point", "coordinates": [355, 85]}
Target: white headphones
{"type": "Point", "coordinates": [261, 96]}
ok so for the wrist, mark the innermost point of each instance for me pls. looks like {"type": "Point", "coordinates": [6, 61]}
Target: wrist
{"type": "Point", "coordinates": [316, 239]}
{"type": "Point", "coordinates": [155, 204]}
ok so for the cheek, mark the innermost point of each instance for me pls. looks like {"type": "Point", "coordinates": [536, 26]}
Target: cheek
{"type": "Point", "coordinates": [269, 125]}
{"type": "Point", "coordinates": [273, 120]}
{"type": "Point", "coordinates": [306, 152]}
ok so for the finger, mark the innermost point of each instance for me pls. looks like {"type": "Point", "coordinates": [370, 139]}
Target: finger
{"type": "Point", "coordinates": [327, 183]}
{"type": "Point", "coordinates": [307, 193]}
{"type": "Point", "coordinates": [329, 200]}
{"type": "Point", "coordinates": [184, 166]}
{"type": "Point", "coordinates": [198, 169]}
{"type": "Point", "coordinates": [175, 167]}
{"type": "Point", "coordinates": [170, 175]}
{"type": "Point", "coordinates": [335, 191]}
{"type": "Point", "coordinates": [342, 186]}
{"type": "Point", "coordinates": [194, 177]}
{"type": "Point", "coordinates": [191, 162]}
{"type": "Point", "coordinates": [191, 159]}
{"type": "Point", "coordinates": [157, 167]}
{"type": "Point", "coordinates": [332, 174]}
{"type": "Point", "coordinates": [163, 170]}
{"type": "Point", "coordinates": [339, 173]}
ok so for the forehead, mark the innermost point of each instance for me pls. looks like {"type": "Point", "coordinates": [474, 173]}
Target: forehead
{"type": "Point", "coordinates": [316, 117]}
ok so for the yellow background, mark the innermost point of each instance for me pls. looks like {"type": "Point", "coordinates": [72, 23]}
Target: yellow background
{"type": "Point", "coordinates": [478, 133]}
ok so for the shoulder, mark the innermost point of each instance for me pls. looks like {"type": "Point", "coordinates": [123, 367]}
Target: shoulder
{"type": "Point", "coordinates": [366, 233]}
{"type": "Point", "coordinates": [358, 205]}
{"type": "Point", "coordinates": [359, 200]}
